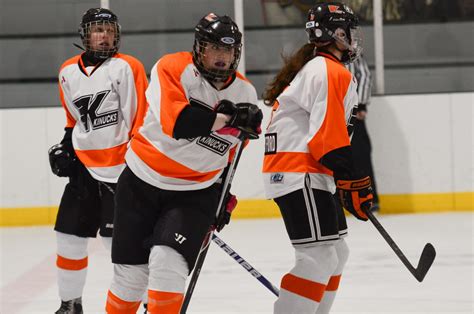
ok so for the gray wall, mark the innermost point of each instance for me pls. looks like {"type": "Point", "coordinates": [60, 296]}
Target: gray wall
{"type": "Point", "coordinates": [37, 36]}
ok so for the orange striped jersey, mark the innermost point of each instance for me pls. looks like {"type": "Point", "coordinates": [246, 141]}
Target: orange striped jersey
{"type": "Point", "coordinates": [104, 105]}
{"type": "Point", "coordinates": [309, 119]}
{"type": "Point", "coordinates": [182, 164]}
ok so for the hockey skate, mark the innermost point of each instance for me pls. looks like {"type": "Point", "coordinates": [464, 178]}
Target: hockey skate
{"type": "Point", "coordinates": [73, 306]}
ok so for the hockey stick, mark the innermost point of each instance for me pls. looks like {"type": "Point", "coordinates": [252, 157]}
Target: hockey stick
{"type": "Point", "coordinates": [427, 255]}
{"type": "Point", "coordinates": [205, 245]}
{"type": "Point", "coordinates": [224, 246]}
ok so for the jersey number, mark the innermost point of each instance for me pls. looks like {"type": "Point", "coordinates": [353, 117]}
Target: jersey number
{"type": "Point", "coordinates": [89, 106]}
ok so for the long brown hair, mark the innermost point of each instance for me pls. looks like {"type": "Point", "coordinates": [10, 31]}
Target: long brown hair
{"type": "Point", "coordinates": [292, 66]}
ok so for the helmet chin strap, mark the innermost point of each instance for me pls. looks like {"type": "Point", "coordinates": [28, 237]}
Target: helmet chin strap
{"type": "Point", "coordinates": [79, 46]}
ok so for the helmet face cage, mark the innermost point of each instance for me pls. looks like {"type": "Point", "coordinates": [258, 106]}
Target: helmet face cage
{"type": "Point", "coordinates": [335, 22]}
{"type": "Point", "coordinates": [222, 33]}
{"type": "Point", "coordinates": [95, 26]}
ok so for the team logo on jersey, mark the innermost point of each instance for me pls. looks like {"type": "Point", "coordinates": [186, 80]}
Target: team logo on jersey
{"type": "Point", "coordinates": [214, 143]}
{"type": "Point", "coordinates": [276, 178]}
{"type": "Point", "coordinates": [270, 143]}
{"type": "Point", "coordinates": [89, 108]}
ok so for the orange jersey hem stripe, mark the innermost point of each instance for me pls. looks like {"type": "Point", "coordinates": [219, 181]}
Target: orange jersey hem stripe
{"type": "Point", "coordinates": [303, 287]}
{"type": "Point", "coordinates": [107, 157]}
{"type": "Point", "coordinates": [115, 305]}
{"type": "Point", "coordinates": [164, 302]}
{"type": "Point", "coordinates": [333, 283]}
{"type": "Point", "coordinates": [293, 162]}
{"type": "Point", "coordinates": [71, 264]}
{"type": "Point", "coordinates": [164, 165]}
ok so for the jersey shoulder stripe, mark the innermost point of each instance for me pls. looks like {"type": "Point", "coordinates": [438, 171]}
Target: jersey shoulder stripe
{"type": "Point", "coordinates": [333, 132]}
{"type": "Point", "coordinates": [73, 60]}
{"type": "Point", "coordinates": [141, 84]}
{"type": "Point", "coordinates": [70, 121]}
{"type": "Point", "coordinates": [135, 64]}
{"type": "Point", "coordinates": [173, 97]}
{"type": "Point", "coordinates": [175, 63]}
{"type": "Point", "coordinates": [242, 77]}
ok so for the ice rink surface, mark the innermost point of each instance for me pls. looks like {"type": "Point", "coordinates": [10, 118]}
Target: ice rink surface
{"type": "Point", "coordinates": [374, 281]}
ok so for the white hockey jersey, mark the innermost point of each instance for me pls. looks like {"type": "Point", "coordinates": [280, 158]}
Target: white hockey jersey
{"type": "Point", "coordinates": [185, 164]}
{"type": "Point", "coordinates": [104, 105]}
{"type": "Point", "coordinates": [309, 119]}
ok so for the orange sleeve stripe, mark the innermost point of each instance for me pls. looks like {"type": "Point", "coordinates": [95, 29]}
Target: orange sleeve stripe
{"type": "Point", "coordinates": [115, 305]}
{"type": "Point", "coordinates": [173, 98]}
{"type": "Point", "coordinates": [107, 157]}
{"type": "Point", "coordinates": [141, 84]}
{"type": "Point", "coordinates": [70, 121]}
{"type": "Point", "coordinates": [333, 131]}
{"type": "Point", "coordinates": [164, 165]}
{"type": "Point", "coordinates": [293, 162]}
{"type": "Point", "coordinates": [333, 283]}
{"type": "Point", "coordinates": [164, 302]}
{"type": "Point", "coordinates": [71, 264]}
{"type": "Point", "coordinates": [303, 287]}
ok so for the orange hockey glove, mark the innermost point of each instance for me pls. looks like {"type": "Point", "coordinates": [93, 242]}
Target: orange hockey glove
{"type": "Point", "coordinates": [355, 196]}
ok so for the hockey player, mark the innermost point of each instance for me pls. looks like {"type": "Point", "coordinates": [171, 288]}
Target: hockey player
{"type": "Point", "coordinates": [168, 194]}
{"type": "Point", "coordinates": [308, 155]}
{"type": "Point", "coordinates": [103, 94]}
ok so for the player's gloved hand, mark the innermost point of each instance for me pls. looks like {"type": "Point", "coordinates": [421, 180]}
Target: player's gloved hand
{"type": "Point", "coordinates": [227, 130]}
{"type": "Point", "coordinates": [355, 196]}
{"type": "Point", "coordinates": [224, 217]}
{"type": "Point", "coordinates": [245, 117]}
{"type": "Point", "coordinates": [63, 160]}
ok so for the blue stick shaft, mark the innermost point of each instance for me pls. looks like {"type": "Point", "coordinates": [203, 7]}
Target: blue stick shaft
{"type": "Point", "coordinates": [245, 264]}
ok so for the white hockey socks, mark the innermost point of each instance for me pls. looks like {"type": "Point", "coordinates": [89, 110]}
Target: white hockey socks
{"type": "Point", "coordinates": [302, 289]}
{"type": "Point", "coordinates": [331, 289]}
{"type": "Point", "coordinates": [71, 265]}
{"type": "Point", "coordinates": [127, 288]}
{"type": "Point", "coordinates": [168, 273]}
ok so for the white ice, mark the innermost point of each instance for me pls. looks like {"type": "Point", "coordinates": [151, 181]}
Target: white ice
{"type": "Point", "coordinates": [374, 281]}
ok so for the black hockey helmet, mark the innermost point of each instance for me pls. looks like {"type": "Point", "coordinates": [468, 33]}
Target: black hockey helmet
{"type": "Point", "coordinates": [221, 31]}
{"type": "Point", "coordinates": [326, 20]}
{"type": "Point", "coordinates": [99, 17]}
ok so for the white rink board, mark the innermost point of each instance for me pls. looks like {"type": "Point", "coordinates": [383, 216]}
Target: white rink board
{"type": "Point", "coordinates": [422, 144]}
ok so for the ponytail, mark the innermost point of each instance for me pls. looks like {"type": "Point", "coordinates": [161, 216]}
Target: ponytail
{"type": "Point", "coordinates": [292, 66]}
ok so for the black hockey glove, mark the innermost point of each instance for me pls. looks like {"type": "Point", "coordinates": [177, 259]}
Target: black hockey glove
{"type": "Point", "coordinates": [355, 196]}
{"type": "Point", "coordinates": [224, 216]}
{"type": "Point", "coordinates": [243, 116]}
{"type": "Point", "coordinates": [62, 159]}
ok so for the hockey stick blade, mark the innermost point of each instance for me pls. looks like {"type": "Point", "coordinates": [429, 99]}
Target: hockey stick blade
{"type": "Point", "coordinates": [426, 260]}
